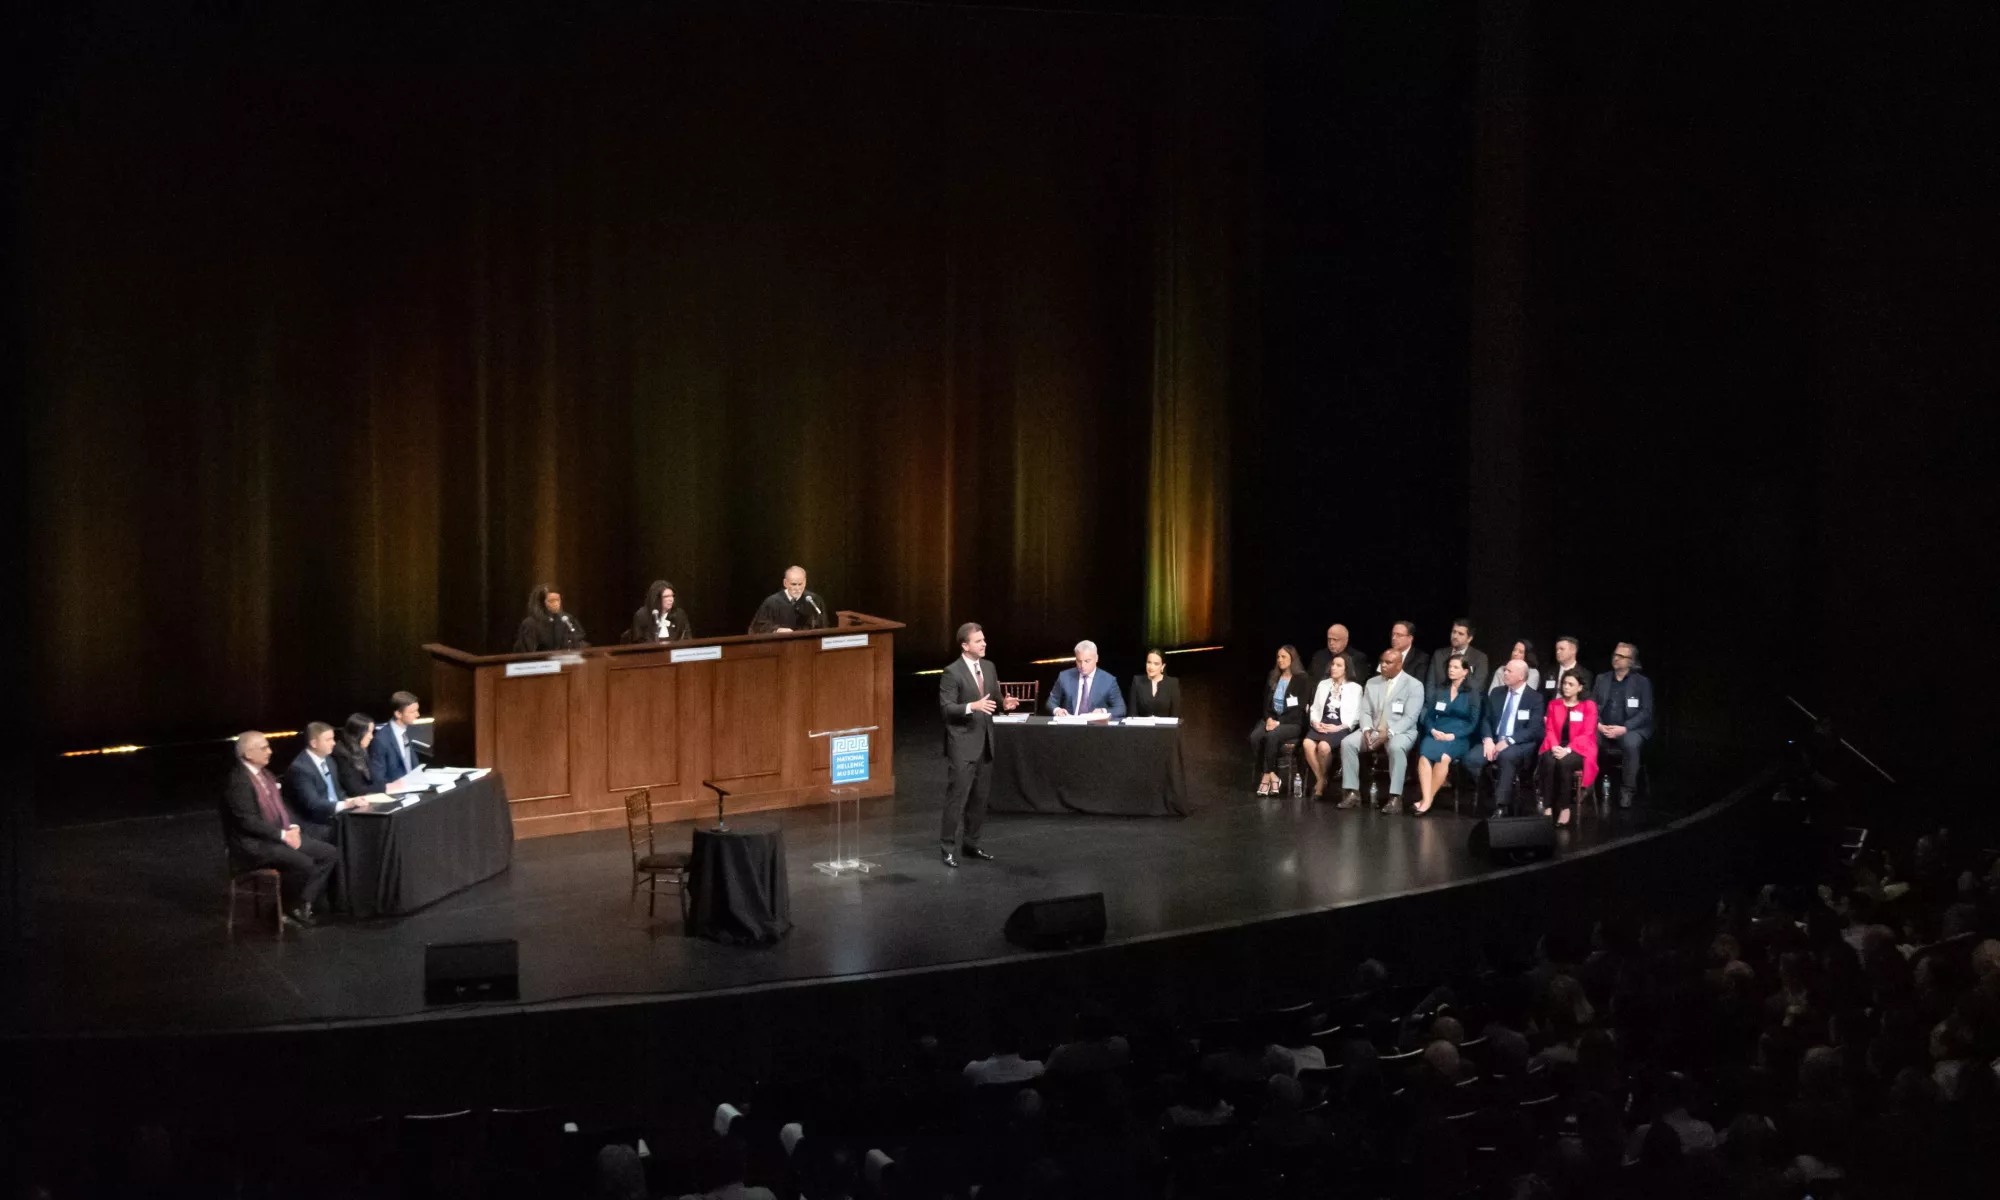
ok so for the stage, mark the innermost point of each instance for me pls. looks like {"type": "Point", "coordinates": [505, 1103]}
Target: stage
{"type": "Point", "coordinates": [130, 938]}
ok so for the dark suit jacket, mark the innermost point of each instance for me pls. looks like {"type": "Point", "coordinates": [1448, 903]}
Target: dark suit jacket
{"type": "Point", "coordinates": [1104, 693]}
{"type": "Point", "coordinates": [539, 634]}
{"type": "Point", "coordinates": [1301, 690]}
{"type": "Point", "coordinates": [645, 626]}
{"type": "Point", "coordinates": [1531, 705]}
{"type": "Point", "coordinates": [1145, 704]}
{"type": "Point", "coordinates": [385, 760]}
{"type": "Point", "coordinates": [244, 828]}
{"type": "Point", "coordinates": [1477, 669]}
{"type": "Point", "coordinates": [353, 780]}
{"type": "Point", "coordinates": [1416, 664]}
{"type": "Point", "coordinates": [968, 737]}
{"type": "Point", "coordinates": [305, 791]}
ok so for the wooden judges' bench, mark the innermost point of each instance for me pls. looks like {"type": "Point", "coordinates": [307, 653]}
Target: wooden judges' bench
{"type": "Point", "coordinates": [615, 718]}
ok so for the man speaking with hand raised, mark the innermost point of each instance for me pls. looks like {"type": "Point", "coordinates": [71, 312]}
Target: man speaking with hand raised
{"type": "Point", "coordinates": [968, 696]}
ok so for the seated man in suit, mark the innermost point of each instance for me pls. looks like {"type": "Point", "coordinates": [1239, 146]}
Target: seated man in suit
{"type": "Point", "coordinates": [311, 787]}
{"type": "Point", "coordinates": [1336, 643]}
{"type": "Point", "coordinates": [260, 832]}
{"type": "Point", "coordinates": [1391, 706]}
{"type": "Point", "coordinates": [1624, 715]}
{"type": "Point", "coordinates": [1084, 689]}
{"type": "Point", "coordinates": [1510, 729]}
{"type": "Point", "coordinates": [1477, 668]}
{"type": "Point", "coordinates": [392, 754]}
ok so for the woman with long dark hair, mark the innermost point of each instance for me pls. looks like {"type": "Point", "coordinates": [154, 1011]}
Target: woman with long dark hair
{"type": "Point", "coordinates": [350, 756]}
{"type": "Point", "coordinates": [547, 627]}
{"type": "Point", "coordinates": [1287, 693]}
{"type": "Point", "coordinates": [661, 618]}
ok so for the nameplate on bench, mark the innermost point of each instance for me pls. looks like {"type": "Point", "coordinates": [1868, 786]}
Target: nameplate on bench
{"type": "Point", "coordinates": [546, 666]}
{"type": "Point", "coordinates": [845, 641]}
{"type": "Point", "coordinates": [695, 654]}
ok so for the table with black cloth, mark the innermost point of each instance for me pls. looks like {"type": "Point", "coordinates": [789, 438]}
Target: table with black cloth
{"type": "Point", "coordinates": [398, 861]}
{"type": "Point", "coordinates": [1041, 766]}
{"type": "Point", "coordinates": [737, 890]}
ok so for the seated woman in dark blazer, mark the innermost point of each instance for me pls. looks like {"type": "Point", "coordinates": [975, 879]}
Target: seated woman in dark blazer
{"type": "Point", "coordinates": [1287, 694]}
{"type": "Point", "coordinates": [1154, 694]}
{"type": "Point", "coordinates": [350, 756]}
{"type": "Point", "coordinates": [659, 619]}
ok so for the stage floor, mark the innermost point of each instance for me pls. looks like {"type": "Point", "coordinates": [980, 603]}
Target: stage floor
{"type": "Point", "coordinates": [129, 934]}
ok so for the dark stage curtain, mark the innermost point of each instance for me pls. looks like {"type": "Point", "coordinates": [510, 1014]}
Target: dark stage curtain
{"type": "Point", "coordinates": [341, 338]}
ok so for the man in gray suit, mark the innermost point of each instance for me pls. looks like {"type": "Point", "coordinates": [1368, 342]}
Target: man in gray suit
{"type": "Point", "coordinates": [1390, 707]}
{"type": "Point", "coordinates": [968, 696]}
{"type": "Point", "coordinates": [1477, 669]}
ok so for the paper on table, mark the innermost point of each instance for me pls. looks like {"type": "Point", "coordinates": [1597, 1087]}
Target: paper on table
{"type": "Point", "coordinates": [1082, 718]}
{"type": "Point", "coordinates": [1152, 720]}
{"type": "Point", "coordinates": [1010, 718]}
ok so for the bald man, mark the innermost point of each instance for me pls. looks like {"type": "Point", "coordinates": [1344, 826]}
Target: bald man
{"type": "Point", "coordinates": [793, 607]}
{"type": "Point", "coordinates": [1336, 643]}
{"type": "Point", "coordinates": [261, 831]}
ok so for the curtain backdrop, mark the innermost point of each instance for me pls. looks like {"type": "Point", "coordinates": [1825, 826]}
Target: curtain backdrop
{"type": "Point", "coordinates": [340, 339]}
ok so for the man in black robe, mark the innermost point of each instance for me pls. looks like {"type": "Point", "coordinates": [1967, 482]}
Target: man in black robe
{"type": "Point", "coordinates": [793, 608]}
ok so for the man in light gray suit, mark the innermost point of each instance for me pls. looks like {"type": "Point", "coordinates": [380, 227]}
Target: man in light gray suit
{"type": "Point", "coordinates": [1390, 707]}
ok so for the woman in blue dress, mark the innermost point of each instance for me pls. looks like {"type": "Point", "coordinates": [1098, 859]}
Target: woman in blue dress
{"type": "Point", "coordinates": [1451, 713]}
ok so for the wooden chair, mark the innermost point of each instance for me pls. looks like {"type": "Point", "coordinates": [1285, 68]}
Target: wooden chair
{"type": "Point", "coordinates": [253, 879]}
{"type": "Point", "coordinates": [1025, 693]}
{"type": "Point", "coordinates": [652, 866]}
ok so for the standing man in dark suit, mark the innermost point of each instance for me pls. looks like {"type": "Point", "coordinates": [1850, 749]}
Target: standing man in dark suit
{"type": "Point", "coordinates": [1510, 729]}
{"type": "Point", "coordinates": [1461, 645]}
{"type": "Point", "coordinates": [1403, 640]}
{"type": "Point", "coordinates": [261, 833]}
{"type": "Point", "coordinates": [315, 793]}
{"type": "Point", "coordinates": [968, 696]}
{"type": "Point", "coordinates": [392, 754]}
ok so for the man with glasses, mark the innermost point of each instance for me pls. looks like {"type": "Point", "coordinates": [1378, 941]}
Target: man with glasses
{"type": "Point", "coordinates": [1625, 715]}
{"type": "Point", "coordinates": [1403, 640]}
{"type": "Point", "coordinates": [1336, 644]}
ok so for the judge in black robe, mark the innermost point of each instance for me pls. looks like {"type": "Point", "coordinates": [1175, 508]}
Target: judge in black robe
{"type": "Point", "coordinates": [793, 607]}
{"type": "Point", "coordinates": [660, 618]}
{"type": "Point", "coordinates": [547, 627]}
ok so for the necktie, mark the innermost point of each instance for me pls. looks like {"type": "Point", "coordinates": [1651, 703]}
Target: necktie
{"type": "Point", "coordinates": [267, 801]}
{"type": "Point", "coordinates": [978, 679]}
{"type": "Point", "coordinates": [1506, 729]}
{"type": "Point", "coordinates": [326, 774]}
{"type": "Point", "coordinates": [1083, 696]}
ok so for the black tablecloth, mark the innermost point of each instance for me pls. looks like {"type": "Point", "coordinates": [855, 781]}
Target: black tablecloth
{"type": "Point", "coordinates": [737, 891]}
{"type": "Point", "coordinates": [399, 861]}
{"type": "Point", "coordinates": [1116, 770]}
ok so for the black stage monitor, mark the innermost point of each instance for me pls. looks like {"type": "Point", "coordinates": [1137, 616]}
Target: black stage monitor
{"type": "Point", "coordinates": [460, 972]}
{"type": "Point", "coordinates": [1059, 923]}
{"type": "Point", "coordinates": [1508, 840]}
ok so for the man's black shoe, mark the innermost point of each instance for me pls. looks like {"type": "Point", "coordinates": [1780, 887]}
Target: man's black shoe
{"type": "Point", "coordinates": [976, 852]}
{"type": "Point", "coordinates": [951, 860]}
{"type": "Point", "coordinates": [302, 917]}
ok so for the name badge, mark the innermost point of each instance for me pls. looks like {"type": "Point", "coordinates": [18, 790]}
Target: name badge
{"type": "Point", "coordinates": [1631, 702]}
{"type": "Point", "coordinates": [1396, 709]}
{"type": "Point", "coordinates": [1521, 716]}
{"type": "Point", "coordinates": [1440, 706]}
{"type": "Point", "coordinates": [1576, 714]}
{"type": "Point", "coordinates": [1291, 702]}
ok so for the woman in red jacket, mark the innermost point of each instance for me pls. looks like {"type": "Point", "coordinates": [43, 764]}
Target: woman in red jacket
{"type": "Point", "coordinates": [1569, 746]}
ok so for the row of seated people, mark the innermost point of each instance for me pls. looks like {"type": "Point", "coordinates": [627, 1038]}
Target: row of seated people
{"type": "Point", "coordinates": [1432, 708]}
{"type": "Point", "coordinates": [288, 822]}
{"type": "Point", "coordinates": [662, 618]}
{"type": "Point", "coordinates": [1083, 689]}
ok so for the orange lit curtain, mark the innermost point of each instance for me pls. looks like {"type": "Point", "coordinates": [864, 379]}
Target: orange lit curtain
{"type": "Point", "coordinates": [333, 360]}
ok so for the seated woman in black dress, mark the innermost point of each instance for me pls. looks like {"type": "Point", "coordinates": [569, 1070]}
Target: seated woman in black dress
{"type": "Point", "coordinates": [1336, 709]}
{"type": "Point", "coordinates": [1154, 694]}
{"type": "Point", "coordinates": [547, 626]}
{"type": "Point", "coordinates": [1287, 694]}
{"type": "Point", "coordinates": [660, 619]}
{"type": "Point", "coordinates": [350, 756]}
